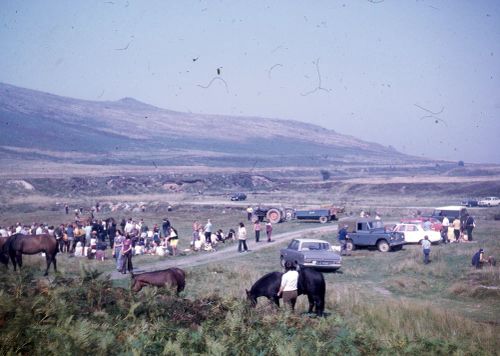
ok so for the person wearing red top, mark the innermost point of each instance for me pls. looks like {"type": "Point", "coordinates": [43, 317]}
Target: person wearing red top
{"type": "Point", "coordinates": [257, 227]}
{"type": "Point", "coordinates": [127, 255]}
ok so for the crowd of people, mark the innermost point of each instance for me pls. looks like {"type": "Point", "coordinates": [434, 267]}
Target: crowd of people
{"type": "Point", "coordinates": [92, 238]}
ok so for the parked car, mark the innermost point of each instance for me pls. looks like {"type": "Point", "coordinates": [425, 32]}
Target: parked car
{"type": "Point", "coordinates": [451, 212]}
{"type": "Point", "coordinates": [317, 254]}
{"type": "Point", "coordinates": [436, 224]}
{"type": "Point", "coordinates": [415, 233]}
{"type": "Point", "coordinates": [489, 201]}
{"type": "Point", "coordinates": [238, 197]}
{"type": "Point", "coordinates": [470, 202]}
{"type": "Point", "coordinates": [372, 233]}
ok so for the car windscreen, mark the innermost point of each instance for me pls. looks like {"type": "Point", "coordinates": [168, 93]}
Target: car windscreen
{"type": "Point", "coordinates": [315, 246]}
{"type": "Point", "coordinates": [448, 213]}
{"type": "Point", "coordinates": [376, 224]}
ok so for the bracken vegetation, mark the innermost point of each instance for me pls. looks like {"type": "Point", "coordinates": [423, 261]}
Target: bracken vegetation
{"type": "Point", "coordinates": [87, 314]}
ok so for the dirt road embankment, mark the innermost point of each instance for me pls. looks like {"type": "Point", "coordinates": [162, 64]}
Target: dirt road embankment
{"type": "Point", "coordinates": [230, 252]}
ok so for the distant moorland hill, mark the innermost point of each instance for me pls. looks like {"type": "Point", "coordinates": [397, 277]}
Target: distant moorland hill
{"type": "Point", "coordinates": [50, 127]}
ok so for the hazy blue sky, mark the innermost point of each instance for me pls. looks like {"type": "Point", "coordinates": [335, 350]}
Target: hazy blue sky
{"type": "Point", "coordinates": [385, 66]}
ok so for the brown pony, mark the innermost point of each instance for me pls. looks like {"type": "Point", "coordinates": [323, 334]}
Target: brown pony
{"type": "Point", "coordinates": [173, 277]}
{"type": "Point", "coordinates": [18, 245]}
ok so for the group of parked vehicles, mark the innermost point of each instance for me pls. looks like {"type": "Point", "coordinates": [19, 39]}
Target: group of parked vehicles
{"type": "Point", "coordinates": [485, 202]}
{"type": "Point", "coordinates": [371, 233]}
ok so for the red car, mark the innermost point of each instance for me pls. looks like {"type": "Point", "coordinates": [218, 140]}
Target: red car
{"type": "Point", "coordinates": [436, 225]}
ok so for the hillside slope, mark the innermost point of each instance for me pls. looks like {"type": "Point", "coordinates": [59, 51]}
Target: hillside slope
{"type": "Point", "coordinates": [37, 125]}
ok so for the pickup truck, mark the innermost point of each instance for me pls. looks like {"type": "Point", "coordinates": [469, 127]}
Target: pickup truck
{"type": "Point", "coordinates": [372, 233]}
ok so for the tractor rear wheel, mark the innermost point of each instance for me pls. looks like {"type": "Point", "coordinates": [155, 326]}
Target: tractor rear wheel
{"type": "Point", "coordinates": [273, 215]}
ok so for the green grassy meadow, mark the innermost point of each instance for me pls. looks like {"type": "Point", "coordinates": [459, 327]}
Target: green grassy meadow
{"type": "Point", "coordinates": [377, 304]}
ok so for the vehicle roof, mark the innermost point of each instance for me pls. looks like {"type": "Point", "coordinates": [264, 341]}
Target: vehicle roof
{"type": "Point", "coordinates": [419, 225]}
{"type": "Point", "coordinates": [312, 240]}
{"type": "Point", "coordinates": [450, 207]}
{"type": "Point", "coordinates": [370, 219]}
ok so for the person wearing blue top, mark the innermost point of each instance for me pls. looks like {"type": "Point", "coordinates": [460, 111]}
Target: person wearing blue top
{"type": "Point", "coordinates": [426, 246]}
{"type": "Point", "coordinates": [343, 240]}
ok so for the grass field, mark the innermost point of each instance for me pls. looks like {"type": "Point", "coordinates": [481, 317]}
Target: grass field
{"type": "Point", "coordinates": [377, 304]}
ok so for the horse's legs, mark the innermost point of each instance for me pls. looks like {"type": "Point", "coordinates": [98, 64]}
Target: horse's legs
{"type": "Point", "coordinates": [48, 259]}
{"type": "Point", "coordinates": [13, 259]}
{"type": "Point", "coordinates": [311, 303]}
{"type": "Point", "coordinates": [54, 262]}
{"type": "Point", "coordinates": [276, 300]}
{"type": "Point", "coordinates": [320, 305]}
{"type": "Point", "coordinates": [19, 260]}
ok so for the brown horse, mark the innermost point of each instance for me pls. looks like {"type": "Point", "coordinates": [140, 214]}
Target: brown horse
{"type": "Point", "coordinates": [173, 277]}
{"type": "Point", "coordinates": [18, 245]}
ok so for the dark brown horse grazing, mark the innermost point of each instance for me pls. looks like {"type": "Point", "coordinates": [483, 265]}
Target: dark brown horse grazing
{"type": "Point", "coordinates": [311, 283]}
{"type": "Point", "coordinates": [18, 245]}
{"type": "Point", "coordinates": [173, 277]}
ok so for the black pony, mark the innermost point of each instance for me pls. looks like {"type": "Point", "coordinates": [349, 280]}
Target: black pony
{"type": "Point", "coordinates": [4, 257]}
{"type": "Point", "coordinates": [19, 244]}
{"type": "Point", "coordinates": [311, 283]}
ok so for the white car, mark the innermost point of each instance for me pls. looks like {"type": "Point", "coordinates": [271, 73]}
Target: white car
{"type": "Point", "coordinates": [489, 201]}
{"type": "Point", "coordinates": [415, 233]}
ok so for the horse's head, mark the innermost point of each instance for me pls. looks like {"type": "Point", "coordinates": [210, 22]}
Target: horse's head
{"type": "Point", "coordinates": [134, 286]}
{"type": "Point", "coordinates": [251, 298]}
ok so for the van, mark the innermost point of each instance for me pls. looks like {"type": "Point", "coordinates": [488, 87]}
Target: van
{"type": "Point", "coordinates": [451, 212]}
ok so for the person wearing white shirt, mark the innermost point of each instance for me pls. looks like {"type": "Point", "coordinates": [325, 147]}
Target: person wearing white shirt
{"type": "Point", "coordinates": [242, 238]}
{"type": "Point", "coordinates": [444, 229]}
{"type": "Point", "coordinates": [288, 286]}
{"type": "Point", "coordinates": [426, 247]}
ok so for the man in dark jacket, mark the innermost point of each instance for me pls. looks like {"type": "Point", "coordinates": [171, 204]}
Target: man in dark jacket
{"type": "Point", "coordinates": [469, 226]}
{"type": "Point", "coordinates": [478, 259]}
{"type": "Point", "coordinates": [165, 227]}
{"type": "Point", "coordinates": [343, 240]}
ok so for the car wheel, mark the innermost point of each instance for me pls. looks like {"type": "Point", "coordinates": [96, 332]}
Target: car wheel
{"type": "Point", "coordinates": [323, 219]}
{"type": "Point", "coordinates": [349, 246]}
{"type": "Point", "coordinates": [383, 246]}
{"type": "Point", "coordinates": [282, 261]}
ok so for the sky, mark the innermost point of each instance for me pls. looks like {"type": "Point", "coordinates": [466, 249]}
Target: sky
{"type": "Point", "coordinates": [422, 76]}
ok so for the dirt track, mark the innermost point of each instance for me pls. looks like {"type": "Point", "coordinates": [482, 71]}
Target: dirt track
{"type": "Point", "coordinates": [231, 252]}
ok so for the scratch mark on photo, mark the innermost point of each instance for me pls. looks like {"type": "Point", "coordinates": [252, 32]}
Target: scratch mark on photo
{"type": "Point", "coordinates": [273, 67]}
{"type": "Point", "coordinates": [212, 81]}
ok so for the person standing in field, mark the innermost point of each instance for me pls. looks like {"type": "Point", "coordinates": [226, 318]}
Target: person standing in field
{"type": "Point", "coordinates": [208, 231]}
{"type": "Point", "coordinates": [426, 247]}
{"type": "Point", "coordinates": [444, 229]}
{"type": "Point", "coordinates": [117, 249]}
{"type": "Point", "coordinates": [288, 286]}
{"type": "Point", "coordinates": [469, 226]}
{"type": "Point", "coordinates": [173, 239]}
{"type": "Point", "coordinates": [242, 238]}
{"type": "Point", "coordinates": [269, 231]}
{"type": "Point", "coordinates": [456, 229]}
{"type": "Point", "coordinates": [343, 240]}
{"type": "Point", "coordinates": [127, 255]}
{"type": "Point", "coordinates": [257, 228]}
{"type": "Point", "coordinates": [249, 213]}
